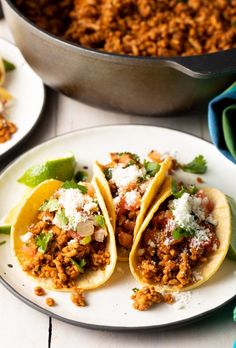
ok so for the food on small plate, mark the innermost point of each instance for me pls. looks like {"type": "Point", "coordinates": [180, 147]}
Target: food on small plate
{"type": "Point", "coordinates": [184, 238]}
{"type": "Point", "coordinates": [7, 128]}
{"type": "Point", "coordinates": [128, 186]}
{"type": "Point", "coordinates": [62, 236]}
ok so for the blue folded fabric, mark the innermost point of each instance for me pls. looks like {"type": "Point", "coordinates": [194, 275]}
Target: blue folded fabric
{"type": "Point", "coordinates": [222, 122]}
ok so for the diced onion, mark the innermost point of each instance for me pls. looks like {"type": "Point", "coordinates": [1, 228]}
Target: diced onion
{"type": "Point", "coordinates": [85, 228]}
{"type": "Point", "coordinates": [100, 234]}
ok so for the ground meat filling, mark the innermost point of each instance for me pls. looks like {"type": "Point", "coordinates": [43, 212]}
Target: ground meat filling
{"type": "Point", "coordinates": [139, 27]}
{"type": "Point", "coordinates": [169, 254]}
{"type": "Point", "coordinates": [53, 250]}
{"type": "Point", "coordinates": [128, 179]}
{"type": "Point", "coordinates": [147, 296]}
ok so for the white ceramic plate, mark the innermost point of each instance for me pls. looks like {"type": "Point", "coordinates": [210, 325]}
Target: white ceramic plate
{"type": "Point", "coordinates": [28, 92]}
{"type": "Point", "coordinates": [110, 307]}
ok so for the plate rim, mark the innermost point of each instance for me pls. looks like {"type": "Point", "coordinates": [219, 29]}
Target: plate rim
{"type": "Point", "coordinates": [158, 327]}
{"type": "Point", "coordinates": [40, 113]}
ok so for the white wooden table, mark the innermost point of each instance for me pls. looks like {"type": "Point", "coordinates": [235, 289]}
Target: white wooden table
{"type": "Point", "coordinates": [22, 326]}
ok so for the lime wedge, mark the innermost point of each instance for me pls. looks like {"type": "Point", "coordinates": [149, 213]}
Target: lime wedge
{"type": "Point", "coordinates": [60, 169]}
{"type": "Point", "coordinates": [232, 248]}
{"type": "Point", "coordinates": [2, 72]}
{"type": "Point", "coordinates": [5, 229]}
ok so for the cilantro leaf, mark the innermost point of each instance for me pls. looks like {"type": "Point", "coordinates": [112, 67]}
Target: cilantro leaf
{"type": "Point", "coordinates": [61, 217]}
{"type": "Point", "coordinates": [82, 188]}
{"type": "Point", "coordinates": [178, 192]}
{"type": "Point", "coordinates": [100, 220]}
{"type": "Point", "coordinates": [42, 241]}
{"type": "Point", "coordinates": [135, 290]}
{"type": "Point", "coordinates": [180, 232]}
{"type": "Point", "coordinates": [8, 65]}
{"type": "Point", "coordinates": [197, 166]}
{"type": "Point", "coordinates": [151, 168]}
{"type": "Point", "coordinates": [73, 185]}
{"type": "Point", "coordinates": [80, 265]}
{"type": "Point", "coordinates": [5, 229]}
{"type": "Point", "coordinates": [81, 176]}
{"type": "Point", "coordinates": [133, 156]}
{"type": "Point", "coordinates": [50, 205]}
{"type": "Point", "coordinates": [108, 173]}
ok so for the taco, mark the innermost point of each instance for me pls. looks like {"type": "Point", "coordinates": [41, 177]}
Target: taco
{"type": "Point", "coordinates": [128, 187]}
{"type": "Point", "coordinates": [63, 238]}
{"type": "Point", "coordinates": [183, 240]}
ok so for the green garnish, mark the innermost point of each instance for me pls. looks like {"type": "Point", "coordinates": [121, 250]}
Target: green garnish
{"type": "Point", "coordinates": [3, 242]}
{"type": "Point", "coordinates": [180, 232]}
{"type": "Point", "coordinates": [81, 176]}
{"type": "Point", "coordinates": [234, 314]}
{"type": "Point", "coordinates": [85, 240]}
{"type": "Point", "coordinates": [197, 166]}
{"type": "Point", "coordinates": [133, 156]}
{"type": "Point", "coordinates": [80, 265]}
{"type": "Point", "coordinates": [5, 229]}
{"type": "Point", "coordinates": [135, 290]}
{"type": "Point", "coordinates": [61, 217]}
{"type": "Point", "coordinates": [43, 240]}
{"type": "Point", "coordinates": [8, 65]}
{"type": "Point", "coordinates": [108, 173]}
{"type": "Point", "coordinates": [232, 248]}
{"type": "Point", "coordinates": [178, 192]}
{"type": "Point", "coordinates": [50, 205]}
{"type": "Point", "coordinates": [73, 185]}
{"type": "Point", "coordinates": [100, 220]}
{"type": "Point", "coordinates": [151, 168]}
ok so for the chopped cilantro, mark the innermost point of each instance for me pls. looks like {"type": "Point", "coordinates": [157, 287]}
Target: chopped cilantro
{"type": "Point", "coordinates": [100, 220]}
{"type": "Point", "coordinates": [8, 65]}
{"type": "Point", "coordinates": [82, 188]}
{"type": "Point", "coordinates": [180, 232]}
{"type": "Point", "coordinates": [133, 156]}
{"type": "Point", "coordinates": [178, 192]}
{"type": "Point", "coordinates": [108, 173]}
{"type": "Point", "coordinates": [85, 240]}
{"type": "Point", "coordinates": [5, 229]}
{"type": "Point", "coordinates": [135, 290]}
{"type": "Point", "coordinates": [151, 168]}
{"type": "Point", "coordinates": [50, 205]}
{"type": "Point", "coordinates": [42, 241]}
{"type": "Point", "coordinates": [197, 166]}
{"type": "Point", "coordinates": [80, 265]}
{"type": "Point", "coordinates": [61, 217]}
{"type": "Point", "coordinates": [73, 185]}
{"type": "Point", "coordinates": [81, 176]}
{"type": "Point", "coordinates": [3, 242]}
{"type": "Point", "coordinates": [70, 185]}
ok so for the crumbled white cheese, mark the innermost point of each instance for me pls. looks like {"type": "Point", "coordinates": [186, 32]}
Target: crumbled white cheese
{"type": "Point", "coordinates": [182, 211]}
{"type": "Point", "coordinates": [131, 197]}
{"type": "Point", "coordinates": [197, 276]}
{"type": "Point", "coordinates": [72, 241]}
{"type": "Point", "coordinates": [201, 235]}
{"type": "Point", "coordinates": [125, 176]}
{"type": "Point", "coordinates": [182, 299]}
{"type": "Point", "coordinates": [26, 237]}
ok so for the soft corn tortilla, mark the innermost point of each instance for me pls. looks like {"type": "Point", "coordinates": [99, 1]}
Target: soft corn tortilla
{"type": "Point", "coordinates": [221, 214]}
{"type": "Point", "coordinates": [147, 198]}
{"type": "Point", "coordinates": [27, 215]}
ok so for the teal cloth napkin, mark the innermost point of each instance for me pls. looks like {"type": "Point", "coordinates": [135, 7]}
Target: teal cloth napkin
{"type": "Point", "coordinates": [222, 122]}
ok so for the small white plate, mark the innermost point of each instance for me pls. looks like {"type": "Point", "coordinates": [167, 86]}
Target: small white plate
{"type": "Point", "coordinates": [110, 306]}
{"type": "Point", "coordinates": [28, 92]}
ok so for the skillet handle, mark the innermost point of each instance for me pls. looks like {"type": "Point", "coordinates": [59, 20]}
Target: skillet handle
{"type": "Point", "coordinates": [207, 65]}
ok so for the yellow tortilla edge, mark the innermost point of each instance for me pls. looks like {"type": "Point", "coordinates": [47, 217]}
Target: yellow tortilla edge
{"type": "Point", "coordinates": [2, 72]}
{"type": "Point", "coordinates": [221, 213]}
{"type": "Point", "coordinates": [146, 200]}
{"type": "Point", "coordinates": [35, 199]}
